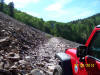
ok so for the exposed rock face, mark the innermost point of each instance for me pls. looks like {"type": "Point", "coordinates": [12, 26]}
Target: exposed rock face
{"type": "Point", "coordinates": [16, 42]}
{"type": "Point", "coordinates": [24, 48]}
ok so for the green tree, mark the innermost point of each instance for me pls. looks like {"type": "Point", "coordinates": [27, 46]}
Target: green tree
{"type": "Point", "coordinates": [11, 9]}
{"type": "Point", "coordinates": [47, 27]}
{"type": "Point", "coordinates": [1, 5]}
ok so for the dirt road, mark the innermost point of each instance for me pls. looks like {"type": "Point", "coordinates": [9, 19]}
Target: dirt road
{"type": "Point", "coordinates": [46, 52]}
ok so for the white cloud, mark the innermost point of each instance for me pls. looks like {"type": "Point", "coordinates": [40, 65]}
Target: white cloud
{"type": "Point", "coordinates": [54, 7]}
{"type": "Point", "coordinates": [57, 6]}
{"type": "Point", "coordinates": [21, 3]}
{"type": "Point", "coordinates": [56, 11]}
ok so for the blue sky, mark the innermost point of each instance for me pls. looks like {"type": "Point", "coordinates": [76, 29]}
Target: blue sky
{"type": "Point", "coordinates": [58, 10]}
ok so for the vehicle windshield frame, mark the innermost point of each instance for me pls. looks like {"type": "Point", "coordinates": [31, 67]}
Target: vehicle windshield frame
{"type": "Point", "coordinates": [93, 38]}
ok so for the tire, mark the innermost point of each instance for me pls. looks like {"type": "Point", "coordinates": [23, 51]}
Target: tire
{"type": "Point", "coordinates": [58, 70]}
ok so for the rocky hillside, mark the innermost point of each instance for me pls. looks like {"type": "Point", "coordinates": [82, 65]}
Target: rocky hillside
{"type": "Point", "coordinates": [25, 50]}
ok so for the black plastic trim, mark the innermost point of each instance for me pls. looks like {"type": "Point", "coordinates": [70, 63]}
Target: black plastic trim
{"type": "Point", "coordinates": [65, 63]}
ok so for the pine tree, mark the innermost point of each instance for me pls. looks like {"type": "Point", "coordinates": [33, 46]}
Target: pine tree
{"type": "Point", "coordinates": [11, 9]}
{"type": "Point", "coordinates": [1, 5]}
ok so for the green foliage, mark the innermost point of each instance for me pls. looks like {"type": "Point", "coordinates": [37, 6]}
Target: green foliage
{"type": "Point", "coordinates": [77, 31]}
{"type": "Point", "coordinates": [6, 9]}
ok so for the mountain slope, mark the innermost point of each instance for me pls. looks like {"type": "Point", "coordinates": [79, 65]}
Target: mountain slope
{"type": "Point", "coordinates": [24, 48]}
{"type": "Point", "coordinates": [16, 40]}
{"type": "Point", "coordinates": [78, 30]}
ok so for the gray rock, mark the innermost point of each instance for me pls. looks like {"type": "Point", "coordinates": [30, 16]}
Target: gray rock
{"type": "Point", "coordinates": [1, 65]}
{"type": "Point", "coordinates": [36, 72]}
{"type": "Point", "coordinates": [13, 56]}
{"type": "Point", "coordinates": [23, 62]}
{"type": "Point", "coordinates": [51, 68]}
{"type": "Point", "coordinates": [4, 39]}
{"type": "Point", "coordinates": [6, 64]}
{"type": "Point", "coordinates": [13, 67]}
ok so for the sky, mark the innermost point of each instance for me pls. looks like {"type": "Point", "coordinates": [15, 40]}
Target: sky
{"type": "Point", "coordinates": [58, 10]}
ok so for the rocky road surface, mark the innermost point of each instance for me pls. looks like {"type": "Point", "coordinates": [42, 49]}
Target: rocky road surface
{"type": "Point", "coordinates": [25, 50]}
{"type": "Point", "coordinates": [47, 51]}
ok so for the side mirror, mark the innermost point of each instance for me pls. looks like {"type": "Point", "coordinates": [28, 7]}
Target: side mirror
{"type": "Point", "coordinates": [81, 51]}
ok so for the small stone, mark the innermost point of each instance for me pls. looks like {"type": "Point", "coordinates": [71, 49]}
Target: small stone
{"type": "Point", "coordinates": [36, 72]}
{"type": "Point", "coordinates": [3, 31]}
{"type": "Point", "coordinates": [4, 39]}
{"type": "Point", "coordinates": [1, 58]}
{"type": "Point", "coordinates": [27, 57]}
{"type": "Point", "coordinates": [6, 64]}
{"type": "Point", "coordinates": [27, 74]}
{"type": "Point", "coordinates": [40, 64]}
{"type": "Point", "coordinates": [51, 68]}
{"type": "Point", "coordinates": [1, 65]}
{"type": "Point", "coordinates": [13, 56]}
{"type": "Point", "coordinates": [14, 67]}
{"type": "Point", "coordinates": [22, 62]}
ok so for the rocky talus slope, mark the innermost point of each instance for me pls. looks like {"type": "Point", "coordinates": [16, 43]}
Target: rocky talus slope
{"type": "Point", "coordinates": [25, 50]}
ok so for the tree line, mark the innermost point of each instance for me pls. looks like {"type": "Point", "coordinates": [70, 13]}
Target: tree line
{"type": "Point", "coordinates": [10, 7]}
{"type": "Point", "coordinates": [78, 30]}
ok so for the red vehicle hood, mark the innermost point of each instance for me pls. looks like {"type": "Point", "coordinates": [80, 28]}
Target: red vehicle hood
{"type": "Point", "coordinates": [71, 52]}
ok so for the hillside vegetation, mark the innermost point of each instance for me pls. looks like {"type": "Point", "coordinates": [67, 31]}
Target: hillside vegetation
{"type": "Point", "coordinates": [77, 31]}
